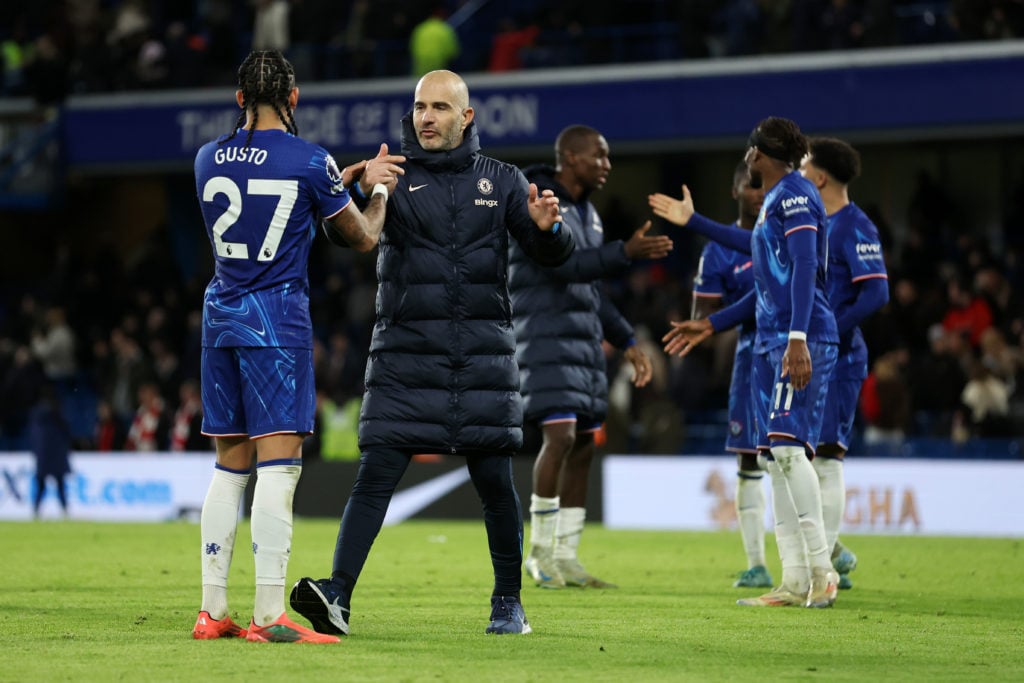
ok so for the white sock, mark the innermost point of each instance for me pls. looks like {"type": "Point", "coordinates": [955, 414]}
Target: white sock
{"type": "Point", "coordinates": [543, 522]}
{"type": "Point", "coordinates": [803, 485]}
{"type": "Point", "coordinates": [568, 532]}
{"type": "Point", "coordinates": [833, 496]}
{"type": "Point", "coordinates": [272, 536]}
{"type": "Point", "coordinates": [750, 513]}
{"type": "Point", "coordinates": [796, 575]}
{"type": "Point", "coordinates": [217, 526]}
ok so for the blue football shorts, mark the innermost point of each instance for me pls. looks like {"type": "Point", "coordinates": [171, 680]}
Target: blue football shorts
{"type": "Point", "coordinates": [742, 437]}
{"type": "Point", "coordinates": [585, 426]}
{"type": "Point", "coordinates": [257, 391]}
{"type": "Point", "coordinates": [840, 411]}
{"type": "Point", "coordinates": [790, 415]}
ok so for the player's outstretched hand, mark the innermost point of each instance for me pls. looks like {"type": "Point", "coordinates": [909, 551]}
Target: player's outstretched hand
{"type": "Point", "coordinates": [352, 174]}
{"type": "Point", "coordinates": [678, 211]}
{"type": "Point", "coordinates": [543, 208]}
{"type": "Point", "coordinates": [383, 168]}
{"type": "Point", "coordinates": [796, 363]}
{"type": "Point", "coordinates": [685, 336]}
{"type": "Point", "coordinates": [642, 368]}
{"type": "Point", "coordinates": [640, 246]}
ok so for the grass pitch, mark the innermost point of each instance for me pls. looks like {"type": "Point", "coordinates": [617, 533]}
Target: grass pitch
{"type": "Point", "coordinates": [107, 602]}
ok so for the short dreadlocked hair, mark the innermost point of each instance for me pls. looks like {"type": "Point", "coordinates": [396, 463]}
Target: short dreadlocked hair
{"type": "Point", "coordinates": [780, 139]}
{"type": "Point", "coordinates": [265, 77]}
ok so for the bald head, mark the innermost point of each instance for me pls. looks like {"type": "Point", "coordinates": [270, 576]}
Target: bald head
{"type": "Point", "coordinates": [448, 82]}
{"type": "Point", "coordinates": [441, 110]}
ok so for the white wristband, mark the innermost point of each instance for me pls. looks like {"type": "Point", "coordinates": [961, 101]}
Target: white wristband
{"type": "Point", "coordinates": [381, 190]}
{"type": "Point", "coordinates": [799, 336]}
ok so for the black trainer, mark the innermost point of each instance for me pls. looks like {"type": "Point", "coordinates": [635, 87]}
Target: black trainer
{"type": "Point", "coordinates": [507, 616]}
{"type": "Point", "coordinates": [323, 603]}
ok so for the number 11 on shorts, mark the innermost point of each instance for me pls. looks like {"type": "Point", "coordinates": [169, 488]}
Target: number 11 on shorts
{"type": "Point", "coordinates": [779, 386]}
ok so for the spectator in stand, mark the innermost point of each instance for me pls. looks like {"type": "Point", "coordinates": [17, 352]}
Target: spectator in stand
{"type": "Point", "coordinates": [165, 363]}
{"type": "Point", "coordinates": [19, 392]}
{"type": "Point", "coordinates": [54, 346]}
{"type": "Point", "coordinates": [508, 45]}
{"type": "Point", "coordinates": [1004, 302]}
{"type": "Point", "coordinates": [130, 370]}
{"type": "Point", "coordinates": [841, 25]}
{"type": "Point", "coordinates": [986, 398]}
{"type": "Point", "coordinates": [968, 312]}
{"type": "Point", "coordinates": [997, 355]}
{"type": "Point", "coordinates": [885, 401]}
{"type": "Point", "coordinates": [903, 323]}
{"type": "Point", "coordinates": [936, 380]}
{"type": "Point", "coordinates": [186, 429]}
{"type": "Point", "coordinates": [109, 433]}
{"type": "Point", "coordinates": [151, 426]}
{"type": "Point", "coordinates": [46, 73]}
{"type": "Point", "coordinates": [433, 44]}
{"type": "Point", "coordinates": [270, 25]}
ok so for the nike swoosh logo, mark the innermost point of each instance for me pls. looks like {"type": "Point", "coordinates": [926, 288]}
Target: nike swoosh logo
{"type": "Point", "coordinates": [413, 188]}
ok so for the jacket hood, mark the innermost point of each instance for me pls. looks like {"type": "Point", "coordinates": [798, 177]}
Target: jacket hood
{"type": "Point", "coordinates": [447, 160]}
{"type": "Point", "coordinates": [543, 175]}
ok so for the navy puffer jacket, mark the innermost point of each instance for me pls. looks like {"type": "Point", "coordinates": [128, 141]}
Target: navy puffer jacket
{"type": "Point", "coordinates": [561, 315]}
{"type": "Point", "coordinates": [442, 374]}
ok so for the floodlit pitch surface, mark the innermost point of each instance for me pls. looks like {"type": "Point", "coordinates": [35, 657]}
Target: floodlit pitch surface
{"type": "Point", "coordinates": [102, 602]}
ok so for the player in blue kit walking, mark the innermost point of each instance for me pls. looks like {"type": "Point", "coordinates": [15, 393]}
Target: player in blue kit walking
{"type": "Point", "coordinates": [858, 285]}
{"type": "Point", "coordinates": [262, 191]}
{"type": "Point", "coordinates": [724, 276]}
{"type": "Point", "coordinates": [795, 352]}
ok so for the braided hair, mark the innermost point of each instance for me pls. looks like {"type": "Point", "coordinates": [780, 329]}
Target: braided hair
{"type": "Point", "coordinates": [265, 77]}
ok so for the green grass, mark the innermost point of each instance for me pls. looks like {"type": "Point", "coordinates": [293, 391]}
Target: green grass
{"type": "Point", "coordinates": [109, 602]}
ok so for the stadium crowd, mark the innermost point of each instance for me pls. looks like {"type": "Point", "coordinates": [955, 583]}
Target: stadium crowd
{"type": "Point", "coordinates": [119, 337]}
{"type": "Point", "coordinates": [53, 48]}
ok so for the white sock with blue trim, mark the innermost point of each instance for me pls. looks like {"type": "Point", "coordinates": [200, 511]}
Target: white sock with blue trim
{"type": "Point", "coordinates": [750, 507]}
{"type": "Point", "coordinates": [272, 535]}
{"type": "Point", "coordinates": [833, 496]}
{"type": "Point", "coordinates": [543, 523]}
{"type": "Point", "coordinates": [217, 526]}
{"type": "Point", "coordinates": [568, 531]}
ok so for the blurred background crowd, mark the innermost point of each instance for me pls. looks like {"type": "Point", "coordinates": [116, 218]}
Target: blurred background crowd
{"type": "Point", "coordinates": [117, 335]}
{"type": "Point", "coordinates": [52, 48]}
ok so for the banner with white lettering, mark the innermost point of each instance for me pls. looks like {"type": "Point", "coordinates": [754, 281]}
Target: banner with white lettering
{"type": "Point", "coordinates": [123, 487]}
{"type": "Point", "coordinates": [665, 104]}
{"type": "Point", "coordinates": [931, 497]}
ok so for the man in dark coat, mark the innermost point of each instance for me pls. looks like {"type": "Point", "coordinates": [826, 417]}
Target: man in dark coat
{"type": "Point", "coordinates": [442, 374]}
{"type": "Point", "coordinates": [50, 440]}
{"type": "Point", "coordinates": [561, 316]}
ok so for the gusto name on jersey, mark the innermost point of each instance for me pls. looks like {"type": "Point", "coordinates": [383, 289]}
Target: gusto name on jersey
{"type": "Point", "coordinates": [252, 155]}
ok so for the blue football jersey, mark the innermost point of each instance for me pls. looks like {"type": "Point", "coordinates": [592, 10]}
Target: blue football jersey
{"type": "Point", "coordinates": [854, 255]}
{"type": "Point", "coordinates": [261, 205]}
{"type": "Point", "coordinates": [727, 274]}
{"type": "Point", "coordinates": [793, 204]}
